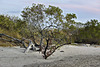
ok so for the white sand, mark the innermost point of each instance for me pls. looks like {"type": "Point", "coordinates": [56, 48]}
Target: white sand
{"type": "Point", "coordinates": [14, 57]}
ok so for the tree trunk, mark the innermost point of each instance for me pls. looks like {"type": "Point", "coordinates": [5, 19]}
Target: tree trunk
{"type": "Point", "coordinates": [45, 56]}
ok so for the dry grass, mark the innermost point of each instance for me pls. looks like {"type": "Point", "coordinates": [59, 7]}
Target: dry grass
{"type": "Point", "coordinates": [6, 45]}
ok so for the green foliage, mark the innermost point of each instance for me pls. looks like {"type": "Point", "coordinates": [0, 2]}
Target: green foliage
{"type": "Point", "coordinates": [69, 18]}
{"type": "Point", "coordinates": [6, 23]}
{"type": "Point", "coordinates": [12, 26]}
{"type": "Point", "coordinates": [90, 32]}
{"type": "Point", "coordinates": [42, 20]}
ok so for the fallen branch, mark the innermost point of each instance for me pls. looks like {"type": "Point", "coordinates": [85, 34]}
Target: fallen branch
{"type": "Point", "coordinates": [12, 39]}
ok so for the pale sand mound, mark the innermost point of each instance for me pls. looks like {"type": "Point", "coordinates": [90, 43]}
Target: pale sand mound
{"type": "Point", "coordinates": [68, 56]}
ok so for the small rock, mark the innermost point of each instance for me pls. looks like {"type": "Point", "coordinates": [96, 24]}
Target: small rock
{"type": "Point", "coordinates": [62, 51]}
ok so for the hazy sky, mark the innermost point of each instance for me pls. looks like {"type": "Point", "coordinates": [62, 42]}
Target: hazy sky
{"type": "Point", "coordinates": [84, 9]}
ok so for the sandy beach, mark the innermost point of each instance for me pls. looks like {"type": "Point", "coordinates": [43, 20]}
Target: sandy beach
{"type": "Point", "coordinates": [66, 56]}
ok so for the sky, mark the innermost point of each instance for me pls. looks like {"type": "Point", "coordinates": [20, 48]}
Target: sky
{"type": "Point", "coordinates": [84, 9]}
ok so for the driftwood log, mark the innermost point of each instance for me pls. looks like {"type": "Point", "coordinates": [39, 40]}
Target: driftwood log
{"type": "Point", "coordinates": [12, 39]}
{"type": "Point", "coordinates": [31, 46]}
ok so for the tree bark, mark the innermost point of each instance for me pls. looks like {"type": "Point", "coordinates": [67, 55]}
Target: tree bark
{"type": "Point", "coordinates": [45, 55]}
